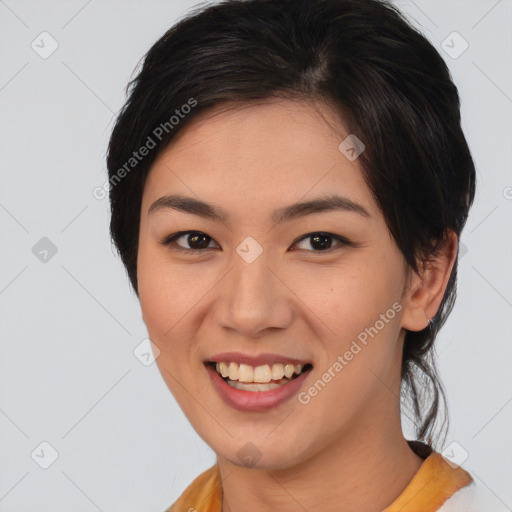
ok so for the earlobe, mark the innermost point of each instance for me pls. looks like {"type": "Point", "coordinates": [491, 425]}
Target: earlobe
{"type": "Point", "coordinates": [427, 290]}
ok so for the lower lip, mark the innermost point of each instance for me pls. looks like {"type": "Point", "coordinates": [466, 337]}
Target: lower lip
{"type": "Point", "coordinates": [255, 400]}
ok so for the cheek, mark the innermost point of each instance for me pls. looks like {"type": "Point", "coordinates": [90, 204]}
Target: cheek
{"type": "Point", "coordinates": [348, 298]}
{"type": "Point", "coordinates": [164, 311]}
{"type": "Point", "coordinates": [159, 302]}
{"type": "Point", "coordinates": [169, 300]}
{"type": "Point", "coordinates": [360, 309]}
{"type": "Point", "coordinates": [156, 303]}
{"type": "Point", "coordinates": [160, 291]}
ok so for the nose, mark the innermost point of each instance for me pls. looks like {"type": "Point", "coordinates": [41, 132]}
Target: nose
{"type": "Point", "coordinates": [253, 299]}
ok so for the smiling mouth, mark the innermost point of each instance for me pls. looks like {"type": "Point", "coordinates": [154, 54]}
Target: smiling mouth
{"type": "Point", "coordinates": [260, 378]}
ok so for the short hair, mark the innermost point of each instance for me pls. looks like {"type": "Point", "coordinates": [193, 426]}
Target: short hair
{"type": "Point", "coordinates": [361, 57]}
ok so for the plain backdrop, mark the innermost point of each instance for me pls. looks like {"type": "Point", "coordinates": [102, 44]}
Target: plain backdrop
{"type": "Point", "coordinates": [85, 425]}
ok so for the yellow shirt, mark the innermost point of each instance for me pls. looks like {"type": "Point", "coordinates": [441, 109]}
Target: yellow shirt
{"type": "Point", "coordinates": [431, 486]}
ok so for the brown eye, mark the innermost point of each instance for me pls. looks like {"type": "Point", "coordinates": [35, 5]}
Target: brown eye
{"type": "Point", "coordinates": [322, 242]}
{"type": "Point", "coordinates": [195, 241]}
{"type": "Point", "coordinates": [198, 240]}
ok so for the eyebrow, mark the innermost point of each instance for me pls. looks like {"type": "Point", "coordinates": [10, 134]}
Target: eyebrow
{"type": "Point", "coordinates": [202, 209]}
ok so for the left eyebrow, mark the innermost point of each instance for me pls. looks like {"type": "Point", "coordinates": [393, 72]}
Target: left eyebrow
{"type": "Point", "coordinates": [318, 205]}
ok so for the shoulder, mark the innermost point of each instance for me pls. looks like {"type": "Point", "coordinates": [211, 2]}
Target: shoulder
{"type": "Point", "coordinates": [204, 493]}
{"type": "Point", "coordinates": [474, 497]}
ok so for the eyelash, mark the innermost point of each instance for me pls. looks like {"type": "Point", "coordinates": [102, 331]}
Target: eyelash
{"type": "Point", "coordinates": [342, 242]}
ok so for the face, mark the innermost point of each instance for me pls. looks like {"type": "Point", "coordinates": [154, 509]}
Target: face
{"type": "Point", "coordinates": [260, 286]}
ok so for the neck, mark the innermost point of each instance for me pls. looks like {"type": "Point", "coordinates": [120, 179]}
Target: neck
{"type": "Point", "coordinates": [365, 472]}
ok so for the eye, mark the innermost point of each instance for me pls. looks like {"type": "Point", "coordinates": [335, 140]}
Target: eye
{"type": "Point", "coordinates": [322, 241]}
{"type": "Point", "coordinates": [199, 241]}
{"type": "Point", "coordinates": [196, 239]}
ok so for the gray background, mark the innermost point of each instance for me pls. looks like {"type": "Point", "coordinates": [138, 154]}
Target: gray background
{"type": "Point", "coordinates": [69, 322]}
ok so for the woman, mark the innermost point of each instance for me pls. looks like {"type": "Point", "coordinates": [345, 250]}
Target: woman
{"type": "Point", "coordinates": [289, 182]}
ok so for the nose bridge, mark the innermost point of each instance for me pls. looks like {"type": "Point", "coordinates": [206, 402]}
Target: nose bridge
{"type": "Point", "coordinates": [254, 299]}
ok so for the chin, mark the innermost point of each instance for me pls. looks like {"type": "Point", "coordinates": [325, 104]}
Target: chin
{"type": "Point", "coordinates": [266, 454]}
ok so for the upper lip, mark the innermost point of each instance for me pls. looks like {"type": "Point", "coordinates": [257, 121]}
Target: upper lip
{"type": "Point", "coordinates": [258, 360]}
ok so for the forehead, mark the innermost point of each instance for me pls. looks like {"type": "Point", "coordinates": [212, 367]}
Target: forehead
{"type": "Point", "coordinates": [275, 152]}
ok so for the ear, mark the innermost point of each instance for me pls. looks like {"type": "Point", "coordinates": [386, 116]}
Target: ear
{"type": "Point", "coordinates": [426, 291]}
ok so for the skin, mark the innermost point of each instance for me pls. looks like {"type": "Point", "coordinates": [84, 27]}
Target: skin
{"type": "Point", "coordinates": [346, 445]}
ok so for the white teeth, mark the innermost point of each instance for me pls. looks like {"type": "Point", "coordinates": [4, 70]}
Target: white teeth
{"type": "Point", "coordinates": [277, 371]}
{"type": "Point", "coordinates": [222, 368]}
{"type": "Point", "coordinates": [246, 373]}
{"type": "Point", "coordinates": [288, 370]}
{"type": "Point", "coordinates": [261, 374]}
{"type": "Point", "coordinates": [253, 386]}
{"type": "Point", "coordinates": [258, 374]}
{"type": "Point", "coordinates": [233, 371]}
